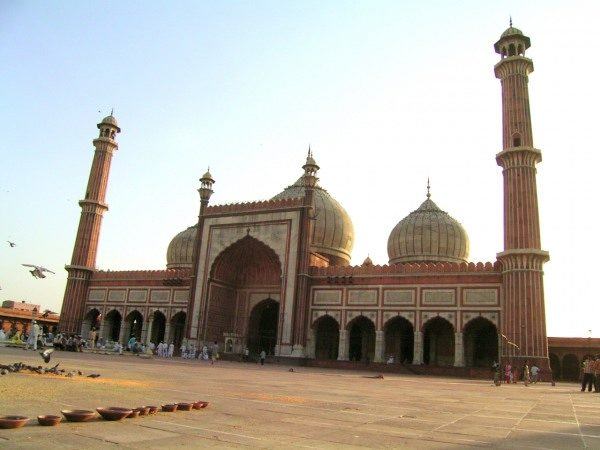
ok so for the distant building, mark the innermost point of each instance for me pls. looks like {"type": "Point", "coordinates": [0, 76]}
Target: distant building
{"type": "Point", "coordinates": [275, 274]}
{"type": "Point", "coordinates": [17, 316]}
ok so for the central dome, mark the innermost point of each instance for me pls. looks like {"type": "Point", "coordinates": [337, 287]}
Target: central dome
{"type": "Point", "coordinates": [333, 232]}
{"type": "Point", "coordinates": [428, 234]}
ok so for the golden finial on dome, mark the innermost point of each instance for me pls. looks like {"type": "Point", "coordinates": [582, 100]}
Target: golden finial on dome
{"type": "Point", "coordinates": [428, 188]}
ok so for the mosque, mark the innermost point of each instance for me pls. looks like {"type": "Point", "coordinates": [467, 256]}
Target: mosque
{"type": "Point", "coordinates": [276, 274]}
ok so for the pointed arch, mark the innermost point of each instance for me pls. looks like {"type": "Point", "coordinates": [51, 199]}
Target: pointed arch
{"type": "Point", "coordinates": [327, 337]}
{"type": "Point", "coordinates": [399, 339]}
{"type": "Point", "coordinates": [481, 346]}
{"type": "Point", "coordinates": [361, 335]}
{"type": "Point", "coordinates": [438, 342]}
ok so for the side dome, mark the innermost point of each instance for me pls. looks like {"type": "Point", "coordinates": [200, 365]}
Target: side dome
{"type": "Point", "coordinates": [428, 234]}
{"type": "Point", "coordinates": [181, 249]}
{"type": "Point", "coordinates": [333, 235]}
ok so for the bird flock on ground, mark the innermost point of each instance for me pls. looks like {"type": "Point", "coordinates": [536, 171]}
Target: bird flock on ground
{"type": "Point", "coordinates": [46, 356]}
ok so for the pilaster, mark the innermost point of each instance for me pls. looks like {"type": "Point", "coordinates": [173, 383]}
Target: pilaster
{"type": "Point", "coordinates": [418, 348]}
{"type": "Point", "coordinates": [379, 346]}
{"type": "Point", "coordinates": [343, 346]}
{"type": "Point", "coordinates": [459, 350]}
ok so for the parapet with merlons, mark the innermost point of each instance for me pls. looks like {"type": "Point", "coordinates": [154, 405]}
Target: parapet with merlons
{"type": "Point", "coordinates": [262, 206]}
{"type": "Point", "coordinates": [407, 268]}
{"type": "Point", "coordinates": [168, 277]}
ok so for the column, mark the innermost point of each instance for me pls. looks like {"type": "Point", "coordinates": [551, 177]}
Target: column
{"type": "Point", "coordinates": [144, 331]}
{"type": "Point", "coordinates": [167, 332]}
{"type": "Point", "coordinates": [459, 350]}
{"type": "Point", "coordinates": [343, 348]}
{"type": "Point", "coordinates": [149, 331]}
{"type": "Point", "coordinates": [418, 348]}
{"type": "Point", "coordinates": [379, 346]}
{"type": "Point", "coordinates": [123, 338]}
{"type": "Point", "coordinates": [310, 343]}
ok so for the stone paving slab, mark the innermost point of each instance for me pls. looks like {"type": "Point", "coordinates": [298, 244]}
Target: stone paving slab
{"type": "Point", "coordinates": [269, 407]}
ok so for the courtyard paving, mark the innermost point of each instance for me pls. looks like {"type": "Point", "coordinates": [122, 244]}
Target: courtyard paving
{"type": "Point", "coordinates": [270, 407]}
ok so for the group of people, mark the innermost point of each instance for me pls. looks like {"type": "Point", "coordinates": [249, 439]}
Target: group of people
{"type": "Point", "coordinates": [527, 374]}
{"type": "Point", "coordinates": [591, 374]}
{"type": "Point", "coordinates": [206, 353]}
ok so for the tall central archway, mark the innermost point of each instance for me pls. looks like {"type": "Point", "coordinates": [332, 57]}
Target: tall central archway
{"type": "Point", "coordinates": [242, 271]}
{"type": "Point", "coordinates": [262, 327]}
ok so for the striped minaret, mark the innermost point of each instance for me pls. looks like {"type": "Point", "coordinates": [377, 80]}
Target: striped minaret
{"type": "Point", "coordinates": [524, 319]}
{"type": "Point", "coordinates": [93, 206]}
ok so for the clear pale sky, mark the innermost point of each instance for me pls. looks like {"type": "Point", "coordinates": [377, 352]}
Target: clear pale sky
{"type": "Point", "coordinates": [386, 93]}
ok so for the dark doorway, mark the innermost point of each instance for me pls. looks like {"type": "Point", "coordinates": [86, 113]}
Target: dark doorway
{"type": "Point", "coordinates": [177, 329]}
{"type": "Point", "coordinates": [555, 366]}
{"type": "Point", "coordinates": [481, 343]}
{"type": "Point", "coordinates": [158, 327]}
{"type": "Point", "coordinates": [399, 340]}
{"type": "Point", "coordinates": [113, 325]}
{"type": "Point", "coordinates": [135, 322]}
{"type": "Point", "coordinates": [362, 340]}
{"type": "Point", "coordinates": [327, 338]}
{"type": "Point", "coordinates": [570, 367]}
{"type": "Point", "coordinates": [438, 342]}
{"type": "Point", "coordinates": [263, 327]}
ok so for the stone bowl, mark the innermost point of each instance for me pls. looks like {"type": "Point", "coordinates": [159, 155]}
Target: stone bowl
{"type": "Point", "coordinates": [152, 409]}
{"type": "Point", "coordinates": [49, 421]}
{"type": "Point", "coordinates": [169, 408]}
{"type": "Point", "coordinates": [135, 413]}
{"type": "Point", "coordinates": [111, 413]}
{"type": "Point", "coordinates": [78, 415]}
{"type": "Point", "coordinates": [13, 421]}
{"type": "Point", "coordinates": [184, 406]}
{"type": "Point", "coordinates": [200, 404]}
{"type": "Point", "coordinates": [144, 410]}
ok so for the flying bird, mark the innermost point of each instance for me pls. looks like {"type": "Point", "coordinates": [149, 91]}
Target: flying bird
{"type": "Point", "coordinates": [12, 244]}
{"type": "Point", "coordinates": [46, 355]}
{"type": "Point", "coordinates": [38, 271]}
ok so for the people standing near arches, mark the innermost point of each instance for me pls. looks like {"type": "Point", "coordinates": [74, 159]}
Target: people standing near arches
{"type": "Point", "coordinates": [263, 356]}
{"type": "Point", "coordinates": [588, 375]}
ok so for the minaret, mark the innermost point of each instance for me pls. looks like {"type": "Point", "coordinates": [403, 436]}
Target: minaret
{"type": "Point", "coordinates": [205, 191]}
{"type": "Point", "coordinates": [93, 206]}
{"type": "Point", "coordinates": [524, 318]}
{"type": "Point", "coordinates": [309, 180]}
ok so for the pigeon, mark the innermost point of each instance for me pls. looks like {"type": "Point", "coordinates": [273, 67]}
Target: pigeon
{"type": "Point", "coordinates": [291, 369]}
{"type": "Point", "coordinates": [93, 375]}
{"type": "Point", "coordinates": [38, 271]}
{"type": "Point", "coordinates": [3, 372]}
{"type": "Point", "coordinates": [46, 354]}
{"type": "Point", "coordinates": [79, 372]}
{"type": "Point", "coordinates": [12, 244]}
{"type": "Point", "coordinates": [69, 375]}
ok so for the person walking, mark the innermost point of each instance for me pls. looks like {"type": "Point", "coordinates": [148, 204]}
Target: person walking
{"type": "Point", "coordinates": [508, 373]}
{"type": "Point", "coordinates": [588, 375]}
{"type": "Point", "coordinates": [171, 350]}
{"type": "Point", "coordinates": [526, 374]}
{"type": "Point", "coordinates": [263, 356]}
{"type": "Point", "coordinates": [534, 373]}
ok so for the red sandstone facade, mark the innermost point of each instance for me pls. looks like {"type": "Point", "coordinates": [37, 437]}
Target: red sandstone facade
{"type": "Point", "coordinates": [274, 275]}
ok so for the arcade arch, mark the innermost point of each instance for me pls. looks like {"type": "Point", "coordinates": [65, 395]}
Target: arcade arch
{"type": "Point", "coordinates": [177, 330]}
{"type": "Point", "coordinates": [135, 322]}
{"type": "Point", "coordinates": [480, 343]}
{"type": "Point", "coordinates": [361, 343]}
{"type": "Point", "coordinates": [399, 340]}
{"type": "Point", "coordinates": [112, 325]}
{"type": "Point", "coordinates": [438, 342]}
{"type": "Point", "coordinates": [91, 320]}
{"type": "Point", "coordinates": [327, 338]}
{"type": "Point", "coordinates": [159, 322]}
